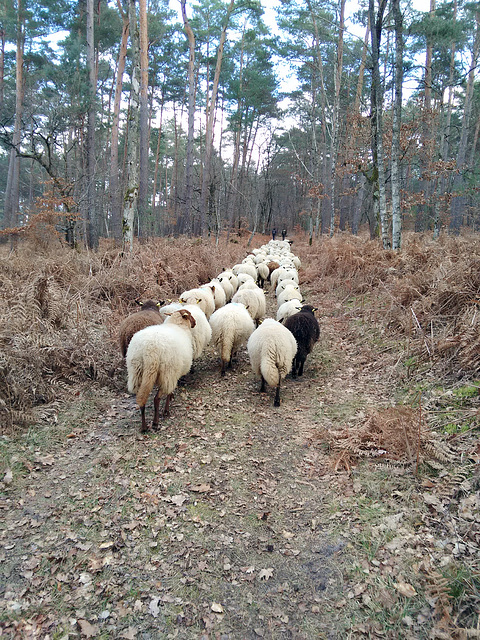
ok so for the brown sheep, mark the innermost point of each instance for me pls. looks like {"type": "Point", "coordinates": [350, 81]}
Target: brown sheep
{"type": "Point", "coordinates": [145, 317]}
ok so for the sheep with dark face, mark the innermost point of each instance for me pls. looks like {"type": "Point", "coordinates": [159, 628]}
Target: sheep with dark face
{"type": "Point", "coordinates": [160, 355]}
{"type": "Point", "coordinates": [306, 331]}
{"type": "Point", "coordinates": [271, 349]}
{"type": "Point", "coordinates": [231, 325]}
{"type": "Point", "coordinates": [145, 317]}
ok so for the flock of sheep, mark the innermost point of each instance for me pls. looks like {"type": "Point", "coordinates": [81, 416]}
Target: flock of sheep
{"type": "Point", "coordinates": [160, 343]}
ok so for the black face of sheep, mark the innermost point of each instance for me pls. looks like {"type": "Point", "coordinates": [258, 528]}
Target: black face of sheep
{"type": "Point", "coordinates": [306, 330]}
{"type": "Point", "coordinates": [150, 304]}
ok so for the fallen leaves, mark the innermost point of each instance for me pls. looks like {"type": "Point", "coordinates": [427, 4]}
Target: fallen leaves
{"type": "Point", "coordinates": [405, 589]}
{"type": "Point", "coordinates": [178, 500]}
{"type": "Point", "coordinates": [153, 607]}
{"type": "Point", "coordinates": [200, 488]}
{"type": "Point", "coordinates": [265, 574]}
{"type": "Point", "coordinates": [87, 629]}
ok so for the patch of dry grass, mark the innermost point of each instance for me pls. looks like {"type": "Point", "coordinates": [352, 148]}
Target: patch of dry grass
{"type": "Point", "coordinates": [60, 310]}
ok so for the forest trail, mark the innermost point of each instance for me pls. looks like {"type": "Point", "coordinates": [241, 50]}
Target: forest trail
{"type": "Point", "coordinates": [229, 522]}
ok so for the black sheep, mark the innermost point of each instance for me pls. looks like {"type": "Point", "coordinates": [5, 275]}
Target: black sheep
{"type": "Point", "coordinates": [306, 331]}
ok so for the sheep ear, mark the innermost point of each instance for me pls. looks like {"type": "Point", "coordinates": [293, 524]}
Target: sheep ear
{"type": "Point", "coordinates": [198, 300]}
{"type": "Point", "coordinates": [139, 302]}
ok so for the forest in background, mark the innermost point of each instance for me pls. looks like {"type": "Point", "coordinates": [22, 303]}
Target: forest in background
{"type": "Point", "coordinates": [139, 123]}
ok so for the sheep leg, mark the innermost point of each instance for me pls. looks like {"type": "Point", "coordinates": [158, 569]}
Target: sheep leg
{"type": "Point", "coordinates": [294, 367]}
{"type": "Point", "coordinates": [262, 386]}
{"type": "Point", "coordinates": [156, 404]}
{"type": "Point", "coordinates": [166, 408]}
{"type": "Point", "coordinates": [276, 402]}
{"type": "Point", "coordinates": [300, 367]}
{"type": "Point", "coordinates": [144, 427]}
{"type": "Point", "coordinates": [224, 366]}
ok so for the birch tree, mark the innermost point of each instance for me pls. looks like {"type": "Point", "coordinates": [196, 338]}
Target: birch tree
{"type": "Point", "coordinates": [130, 203]}
{"type": "Point", "coordinates": [378, 177]}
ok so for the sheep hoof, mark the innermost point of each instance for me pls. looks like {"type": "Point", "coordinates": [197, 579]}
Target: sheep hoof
{"type": "Point", "coordinates": [276, 403]}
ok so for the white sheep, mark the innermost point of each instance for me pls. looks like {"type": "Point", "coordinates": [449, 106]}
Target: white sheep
{"type": "Point", "coordinates": [203, 296]}
{"type": "Point", "coordinates": [160, 355]}
{"type": "Point", "coordinates": [296, 261]}
{"type": "Point", "coordinates": [287, 273]}
{"type": "Point", "coordinates": [245, 268]}
{"type": "Point", "coordinates": [254, 301]}
{"type": "Point", "coordinates": [201, 333]}
{"type": "Point", "coordinates": [283, 284]}
{"type": "Point", "coordinates": [231, 325]}
{"type": "Point", "coordinates": [231, 278]}
{"type": "Point", "coordinates": [271, 349]}
{"type": "Point", "coordinates": [263, 272]}
{"type": "Point", "coordinates": [219, 294]}
{"type": "Point", "coordinates": [248, 284]}
{"type": "Point", "coordinates": [243, 278]}
{"type": "Point", "coordinates": [288, 309]}
{"type": "Point", "coordinates": [282, 273]}
{"type": "Point", "coordinates": [289, 293]}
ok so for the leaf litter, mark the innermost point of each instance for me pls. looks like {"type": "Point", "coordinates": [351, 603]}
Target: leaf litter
{"type": "Point", "coordinates": [238, 520]}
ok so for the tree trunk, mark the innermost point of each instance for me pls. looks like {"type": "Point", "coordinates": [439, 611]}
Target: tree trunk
{"type": "Point", "coordinates": [114, 183]}
{"type": "Point", "coordinates": [458, 201]}
{"type": "Point", "coordinates": [361, 71]}
{"type": "Point", "coordinates": [143, 117]}
{"type": "Point", "coordinates": [210, 117]}
{"type": "Point", "coordinates": [2, 66]}
{"type": "Point", "coordinates": [444, 143]}
{"type": "Point", "coordinates": [323, 120]}
{"type": "Point", "coordinates": [232, 187]}
{"type": "Point", "coordinates": [378, 176]}
{"type": "Point", "coordinates": [336, 113]}
{"type": "Point", "coordinates": [396, 127]}
{"type": "Point", "coordinates": [187, 209]}
{"type": "Point", "coordinates": [91, 212]}
{"type": "Point", "coordinates": [130, 203]}
{"type": "Point", "coordinates": [12, 191]}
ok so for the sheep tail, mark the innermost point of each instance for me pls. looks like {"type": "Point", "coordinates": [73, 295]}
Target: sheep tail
{"type": "Point", "coordinates": [227, 346]}
{"type": "Point", "coordinates": [270, 372]}
{"type": "Point", "coordinates": [141, 380]}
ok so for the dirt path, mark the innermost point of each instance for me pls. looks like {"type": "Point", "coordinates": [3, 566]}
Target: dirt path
{"type": "Point", "coordinates": [228, 523]}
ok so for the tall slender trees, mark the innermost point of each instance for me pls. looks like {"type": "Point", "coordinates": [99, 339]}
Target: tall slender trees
{"type": "Point", "coordinates": [130, 202]}
{"type": "Point", "coordinates": [396, 127]}
{"type": "Point", "coordinates": [187, 212]}
{"type": "Point", "coordinates": [90, 200]}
